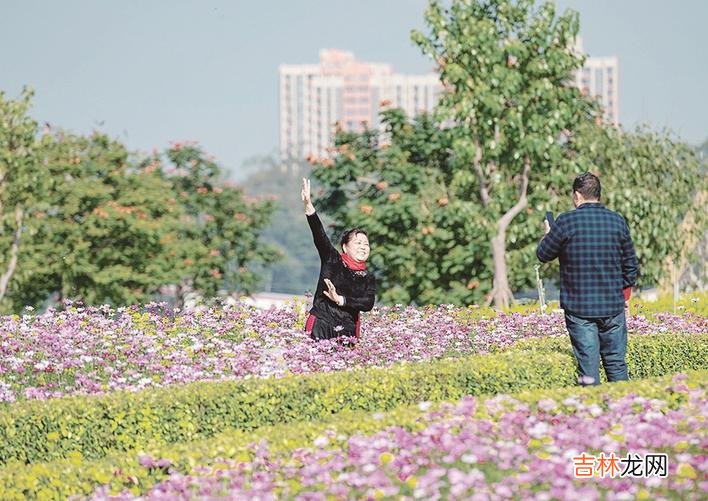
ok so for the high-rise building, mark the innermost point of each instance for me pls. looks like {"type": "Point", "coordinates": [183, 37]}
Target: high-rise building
{"type": "Point", "coordinates": [341, 89]}
{"type": "Point", "coordinates": [314, 98]}
{"type": "Point", "coordinates": [599, 78]}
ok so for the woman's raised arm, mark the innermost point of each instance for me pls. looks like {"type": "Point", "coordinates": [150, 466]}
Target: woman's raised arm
{"type": "Point", "coordinates": [324, 247]}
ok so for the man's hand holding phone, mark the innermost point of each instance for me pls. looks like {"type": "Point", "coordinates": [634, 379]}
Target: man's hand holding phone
{"type": "Point", "coordinates": [548, 221]}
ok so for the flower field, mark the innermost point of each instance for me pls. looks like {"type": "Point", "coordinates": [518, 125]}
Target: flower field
{"type": "Point", "coordinates": [98, 350]}
{"type": "Point", "coordinates": [516, 451]}
{"type": "Point", "coordinates": [237, 403]}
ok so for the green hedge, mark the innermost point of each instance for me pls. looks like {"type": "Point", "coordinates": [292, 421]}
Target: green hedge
{"type": "Point", "coordinates": [33, 431]}
{"type": "Point", "coordinates": [63, 478]}
{"type": "Point", "coordinates": [95, 426]}
{"type": "Point", "coordinates": [647, 355]}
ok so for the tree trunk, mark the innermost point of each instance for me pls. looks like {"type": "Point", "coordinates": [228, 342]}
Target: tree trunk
{"type": "Point", "coordinates": [179, 297]}
{"type": "Point", "coordinates": [501, 293]}
{"type": "Point", "coordinates": [182, 291]}
{"type": "Point", "coordinates": [14, 250]}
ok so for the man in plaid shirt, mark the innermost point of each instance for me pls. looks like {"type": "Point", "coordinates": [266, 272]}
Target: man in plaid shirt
{"type": "Point", "coordinates": [598, 268]}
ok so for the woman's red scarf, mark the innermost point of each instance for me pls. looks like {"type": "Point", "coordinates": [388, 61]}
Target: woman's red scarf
{"type": "Point", "coordinates": [352, 263]}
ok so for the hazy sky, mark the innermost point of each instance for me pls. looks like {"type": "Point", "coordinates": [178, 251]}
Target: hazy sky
{"type": "Point", "coordinates": [149, 72]}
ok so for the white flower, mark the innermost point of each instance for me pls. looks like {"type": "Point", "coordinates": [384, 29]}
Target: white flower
{"type": "Point", "coordinates": [40, 366]}
{"type": "Point", "coordinates": [369, 468]}
{"type": "Point", "coordinates": [547, 404]}
{"type": "Point", "coordinates": [539, 430]}
{"type": "Point", "coordinates": [653, 482]}
{"type": "Point", "coordinates": [424, 406]}
{"type": "Point", "coordinates": [321, 441]}
{"type": "Point", "coordinates": [595, 410]}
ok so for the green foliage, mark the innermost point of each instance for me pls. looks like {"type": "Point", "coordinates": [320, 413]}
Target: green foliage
{"type": "Point", "coordinates": [511, 104]}
{"type": "Point", "coordinates": [80, 220]}
{"type": "Point", "coordinates": [77, 476]}
{"type": "Point", "coordinates": [215, 243]}
{"type": "Point", "coordinates": [95, 426]}
{"type": "Point", "coordinates": [646, 355]}
{"type": "Point", "coordinates": [22, 185]}
{"type": "Point", "coordinates": [437, 191]}
{"type": "Point", "coordinates": [652, 180]}
{"type": "Point", "coordinates": [407, 193]}
{"type": "Point", "coordinates": [97, 233]}
{"type": "Point", "coordinates": [33, 431]}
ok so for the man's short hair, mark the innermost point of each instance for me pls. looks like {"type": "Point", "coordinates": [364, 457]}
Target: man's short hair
{"type": "Point", "coordinates": [349, 234]}
{"type": "Point", "coordinates": [588, 185]}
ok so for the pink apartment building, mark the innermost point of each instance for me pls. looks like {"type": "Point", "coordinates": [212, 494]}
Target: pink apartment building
{"type": "Point", "coordinates": [341, 89]}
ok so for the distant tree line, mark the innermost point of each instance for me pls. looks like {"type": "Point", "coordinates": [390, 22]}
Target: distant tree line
{"type": "Point", "coordinates": [82, 218]}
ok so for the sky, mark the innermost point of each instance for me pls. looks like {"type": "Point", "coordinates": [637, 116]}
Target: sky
{"type": "Point", "coordinates": [153, 72]}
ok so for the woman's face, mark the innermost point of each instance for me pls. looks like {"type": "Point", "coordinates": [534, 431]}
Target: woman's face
{"type": "Point", "coordinates": [357, 247]}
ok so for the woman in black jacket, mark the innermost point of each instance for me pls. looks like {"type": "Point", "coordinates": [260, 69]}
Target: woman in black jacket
{"type": "Point", "coordinates": [344, 287]}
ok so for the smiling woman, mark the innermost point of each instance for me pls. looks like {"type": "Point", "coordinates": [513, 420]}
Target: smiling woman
{"type": "Point", "coordinates": [344, 288]}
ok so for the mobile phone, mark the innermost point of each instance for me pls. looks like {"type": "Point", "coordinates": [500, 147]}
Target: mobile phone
{"type": "Point", "coordinates": [549, 217]}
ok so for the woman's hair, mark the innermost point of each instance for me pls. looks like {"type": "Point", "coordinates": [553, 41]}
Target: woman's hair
{"type": "Point", "coordinates": [349, 234]}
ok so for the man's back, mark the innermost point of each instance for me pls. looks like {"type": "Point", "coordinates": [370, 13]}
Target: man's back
{"type": "Point", "coordinates": [597, 259]}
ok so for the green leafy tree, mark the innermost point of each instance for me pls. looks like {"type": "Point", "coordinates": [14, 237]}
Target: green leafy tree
{"type": "Point", "coordinates": [658, 184]}
{"type": "Point", "coordinates": [511, 133]}
{"type": "Point", "coordinates": [406, 190]}
{"type": "Point", "coordinates": [21, 182]}
{"type": "Point", "coordinates": [97, 235]}
{"type": "Point", "coordinates": [510, 103]}
{"type": "Point", "coordinates": [217, 245]}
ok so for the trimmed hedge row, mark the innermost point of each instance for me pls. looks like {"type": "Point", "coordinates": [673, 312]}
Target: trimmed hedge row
{"type": "Point", "coordinates": [68, 477]}
{"type": "Point", "coordinates": [93, 427]}
{"type": "Point", "coordinates": [34, 431]}
{"type": "Point", "coordinates": [664, 354]}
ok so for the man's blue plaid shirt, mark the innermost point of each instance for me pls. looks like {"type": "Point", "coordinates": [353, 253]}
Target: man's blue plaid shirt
{"type": "Point", "coordinates": [597, 260]}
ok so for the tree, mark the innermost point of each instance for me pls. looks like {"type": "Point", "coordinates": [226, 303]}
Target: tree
{"type": "Point", "coordinates": [657, 183]}
{"type": "Point", "coordinates": [21, 183]}
{"type": "Point", "coordinates": [510, 103]}
{"type": "Point", "coordinates": [406, 190]}
{"type": "Point", "coordinates": [98, 233]}
{"type": "Point", "coordinates": [510, 135]}
{"type": "Point", "coordinates": [217, 245]}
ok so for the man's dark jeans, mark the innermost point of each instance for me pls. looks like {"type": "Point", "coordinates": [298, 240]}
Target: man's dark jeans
{"type": "Point", "coordinates": [593, 338]}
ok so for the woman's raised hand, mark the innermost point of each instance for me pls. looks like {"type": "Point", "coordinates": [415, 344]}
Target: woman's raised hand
{"type": "Point", "coordinates": [307, 197]}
